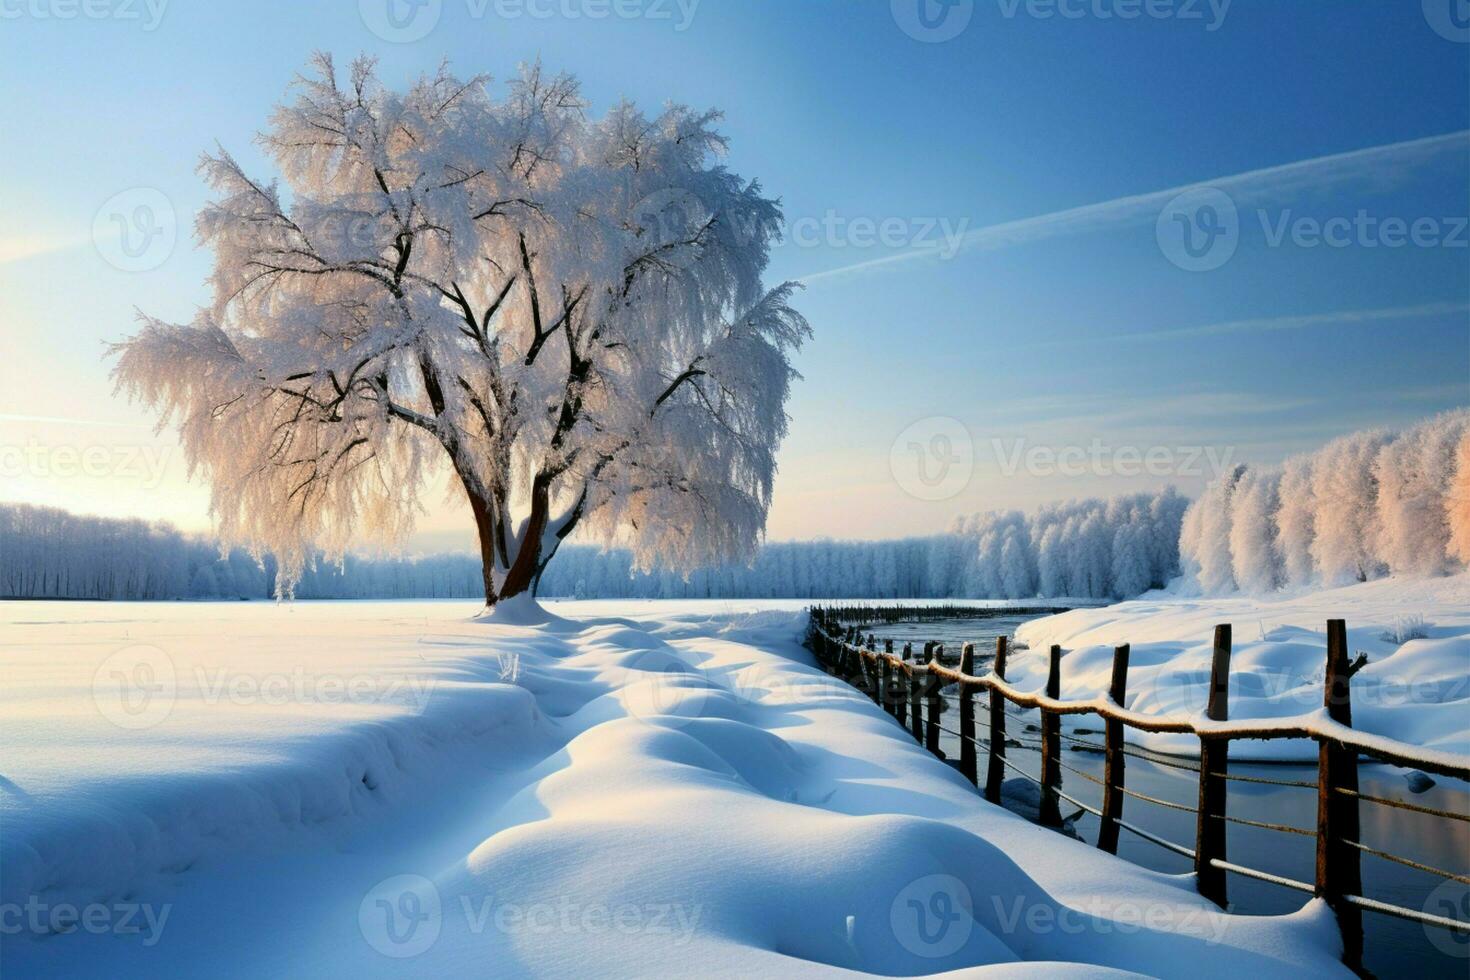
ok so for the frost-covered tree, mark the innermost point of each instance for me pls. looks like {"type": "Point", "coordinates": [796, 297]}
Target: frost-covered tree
{"type": "Point", "coordinates": [1205, 540]}
{"type": "Point", "coordinates": [1365, 505]}
{"type": "Point", "coordinates": [1254, 560]}
{"type": "Point", "coordinates": [1345, 492]}
{"type": "Point", "coordinates": [566, 312]}
{"type": "Point", "coordinates": [1457, 502]}
{"type": "Point", "coordinates": [1295, 521]}
{"type": "Point", "coordinates": [1414, 474]}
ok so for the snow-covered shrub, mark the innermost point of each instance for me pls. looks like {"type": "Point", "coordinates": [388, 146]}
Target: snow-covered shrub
{"type": "Point", "coordinates": [1406, 628]}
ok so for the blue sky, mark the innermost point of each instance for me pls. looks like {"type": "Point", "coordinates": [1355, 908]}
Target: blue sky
{"type": "Point", "coordinates": [937, 383]}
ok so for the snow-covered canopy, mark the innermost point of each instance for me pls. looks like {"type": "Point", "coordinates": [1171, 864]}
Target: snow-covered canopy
{"type": "Point", "coordinates": [568, 311]}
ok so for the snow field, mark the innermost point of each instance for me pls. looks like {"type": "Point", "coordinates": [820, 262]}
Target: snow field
{"type": "Point", "coordinates": [659, 789]}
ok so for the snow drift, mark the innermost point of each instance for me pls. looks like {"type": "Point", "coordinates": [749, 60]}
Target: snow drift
{"type": "Point", "coordinates": [379, 790]}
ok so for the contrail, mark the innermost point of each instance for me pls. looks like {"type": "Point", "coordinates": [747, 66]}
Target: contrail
{"type": "Point", "coordinates": [1374, 163]}
{"type": "Point", "coordinates": [1267, 324]}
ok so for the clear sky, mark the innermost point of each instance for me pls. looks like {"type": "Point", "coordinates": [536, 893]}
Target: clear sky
{"type": "Point", "coordinates": [1010, 304]}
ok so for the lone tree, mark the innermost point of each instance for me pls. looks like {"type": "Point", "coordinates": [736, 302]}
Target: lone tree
{"type": "Point", "coordinates": [566, 311]}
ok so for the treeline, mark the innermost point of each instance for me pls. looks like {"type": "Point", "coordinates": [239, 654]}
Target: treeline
{"type": "Point", "coordinates": [1094, 549]}
{"type": "Point", "coordinates": [1369, 504]}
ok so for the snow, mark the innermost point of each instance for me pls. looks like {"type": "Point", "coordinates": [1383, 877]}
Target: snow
{"type": "Point", "coordinates": [1415, 690]}
{"type": "Point", "coordinates": [654, 788]}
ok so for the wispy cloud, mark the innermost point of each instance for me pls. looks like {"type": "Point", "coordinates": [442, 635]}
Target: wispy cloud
{"type": "Point", "coordinates": [59, 420]}
{"type": "Point", "coordinates": [15, 248]}
{"type": "Point", "coordinates": [1265, 324]}
{"type": "Point", "coordinates": [1376, 165]}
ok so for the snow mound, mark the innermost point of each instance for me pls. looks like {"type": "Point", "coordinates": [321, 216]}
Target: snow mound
{"type": "Point", "coordinates": [666, 789]}
{"type": "Point", "coordinates": [1415, 690]}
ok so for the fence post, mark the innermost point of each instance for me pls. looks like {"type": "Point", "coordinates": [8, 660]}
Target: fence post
{"type": "Point", "coordinates": [901, 696]}
{"type": "Point", "coordinates": [916, 691]}
{"type": "Point", "coordinates": [885, 678]}
{"type": "Point", "coordinates": [968, 766]}
{"type": "Point", "coordinates": [1112, 808]}
{"type": "Point", "coordinates": [1051, 745]}
{"type": "Point", "coordinates": [996, 774]}
{"type": "Point", "coordinates": [1339, 869]}
{"type": "Point", "coordinates": [1209, 831]}
{"type": "Point", "coordinates": [932, 689]}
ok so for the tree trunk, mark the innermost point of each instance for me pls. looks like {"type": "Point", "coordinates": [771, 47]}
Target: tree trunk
{"type": "Point", "coordinates": [485, 523]}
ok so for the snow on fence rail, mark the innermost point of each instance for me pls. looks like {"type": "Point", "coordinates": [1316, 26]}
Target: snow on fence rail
{"type": "Point", "coordinates": [911, 690]}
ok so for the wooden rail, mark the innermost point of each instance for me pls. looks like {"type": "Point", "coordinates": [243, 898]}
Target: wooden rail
{"type": "Point", "coordinates": [912, 691]}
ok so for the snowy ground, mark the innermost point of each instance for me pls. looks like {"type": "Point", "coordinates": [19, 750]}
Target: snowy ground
{"type": "Point", "coordinates": [665, 789]}
{"type": "Point", "coordinates": [1415, 690]}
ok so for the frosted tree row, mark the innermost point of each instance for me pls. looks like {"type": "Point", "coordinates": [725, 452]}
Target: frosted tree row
{"type": "Point", "coordinates": [1091, 548]}
{"type": "Point", "coordinates": [1369, 504]}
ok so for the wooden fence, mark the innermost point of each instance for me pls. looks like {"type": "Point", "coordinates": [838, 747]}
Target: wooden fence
{"type": "Point", "coordinates": [911, 689]}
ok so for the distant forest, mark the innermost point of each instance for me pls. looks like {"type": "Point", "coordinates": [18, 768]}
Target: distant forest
{"type": "Point", "coordinates": [1090, 548]}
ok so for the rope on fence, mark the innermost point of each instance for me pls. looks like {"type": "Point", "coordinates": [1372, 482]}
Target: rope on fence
{"type": "Point", "coordinates": [1408, 862]}
{"type": "Point", "coordinates": [1155, 800]}
{"type": "Point", "coordinates": [1151, 838]}
{"type": "Point", "coordinates": [1241, 869]}
{"type": "Point", "coordinates": [1283, 828]}
{"type": "Point", "coordinates": [1403, 804]}
{"type": "Point", "coordinates": [1084, 775]}
{"type": "Point", "coordinates": [1150, 758]}
{"type": "Point", "coordinates": [1266, 780]}
{"type": "Point", "coordinates": [1400, 912]}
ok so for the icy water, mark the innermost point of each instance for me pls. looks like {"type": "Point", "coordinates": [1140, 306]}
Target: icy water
{"type": "Point", "coordinates": [1393, 947]}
